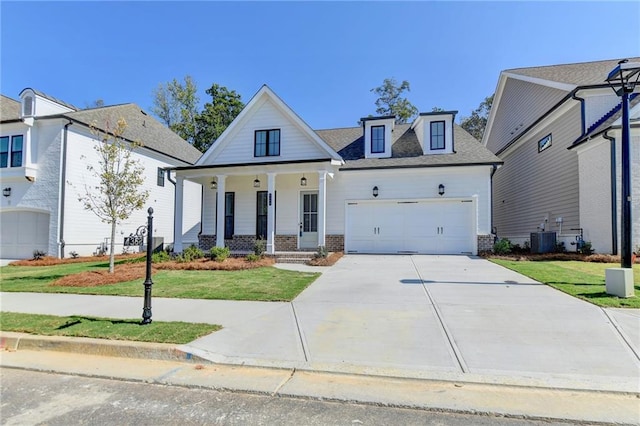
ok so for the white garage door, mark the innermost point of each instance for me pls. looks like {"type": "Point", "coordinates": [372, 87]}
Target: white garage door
{"type": "Point", "coordinates": [429, 227]}
{"type": "Point", "coordinates": [22, 233]}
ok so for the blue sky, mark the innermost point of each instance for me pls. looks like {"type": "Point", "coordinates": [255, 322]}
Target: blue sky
{"type": "Point", "coordinates": [321, 58]}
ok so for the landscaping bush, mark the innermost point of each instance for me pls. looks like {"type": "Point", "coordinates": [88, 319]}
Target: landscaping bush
{"type": "Point", "coordinates": [159, 257]}
{"type": "Point", "coordinates": [502, 246]}
{"type": "Point", "coordinates": [74, 254]}
{"type": "Point", "coordinates": [321, 253]}
{"type": "Point", "coordinates": [251, 257]}
{"type": "Point", "coordinates": [219, 254]}
{"type": "Point", "coordinates": [38, 254]}
{"type": "Point", "coordinates": [259, 247]}
{"type": "Point", "coordinates": [189, 254]}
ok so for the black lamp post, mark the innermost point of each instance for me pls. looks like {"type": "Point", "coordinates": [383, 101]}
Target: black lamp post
{"type": "Point", "coordinates": [146, 310]}
{"type": "Point", "coordinates": [623, 80]}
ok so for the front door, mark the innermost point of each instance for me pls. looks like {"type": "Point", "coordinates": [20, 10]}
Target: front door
{"type": "Point", "coordinates": [308, 220]}
{"type": "Point", "coordinates": [261, 215]}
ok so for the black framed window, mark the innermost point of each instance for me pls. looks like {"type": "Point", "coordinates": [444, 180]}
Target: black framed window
{"type": "Point", "coordinates": [11, 149]}
{"type": "Point", "coordinates": [544, 143]}
{"type": "Point", "coordinates": [229, 209]}
{"type": "Point", "coordinates": [437, 135]}
{"type": "Point", "coordinates": [377, 139]}
{"type": "Point", "coordinates": [261, 215]}
{"type": "Point", "coordinates": [160, 180]}
{"type": "Point", "coordinates": [267, 143]}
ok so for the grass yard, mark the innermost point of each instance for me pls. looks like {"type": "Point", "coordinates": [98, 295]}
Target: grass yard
{"type": "Point", "coordinates": [261, 284]}
{"type": "Point", "coordinates": [584, 280]}
{"type": "Point", "coordinates": [103, 328]}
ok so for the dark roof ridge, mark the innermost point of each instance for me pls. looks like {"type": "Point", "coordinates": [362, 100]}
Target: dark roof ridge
{"type": "Point", "coordinates": [572, 63]}
{"type": "Point", "coordinates": [51, 98]}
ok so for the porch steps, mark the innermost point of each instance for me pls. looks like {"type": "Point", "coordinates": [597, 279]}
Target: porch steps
{"type": "Point", "coordinates": [294, 257]}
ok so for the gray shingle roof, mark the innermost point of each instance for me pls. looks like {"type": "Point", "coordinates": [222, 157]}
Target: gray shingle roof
{"type": "Point", "coordinates": [9, 109]}
{"type": "Point", "coordinates": [579, 74]}
{"type": "Point", "coordinates": [141, 127]}
{"type": "Point", "coordinates": [405, 149]}
{"type": "Point", "coordinates": [56, 100]}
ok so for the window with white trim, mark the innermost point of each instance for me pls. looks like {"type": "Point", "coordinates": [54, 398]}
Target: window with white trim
{"type": "Point", "coordinates": [437, 135]}
{"type": "Point", "coordinates": [377, 139]}
{"type": "Point", "coordinates": [11, 148]}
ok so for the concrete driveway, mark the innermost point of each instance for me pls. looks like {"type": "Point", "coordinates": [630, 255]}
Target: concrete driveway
{"type": "Point", "coordinates": [440, 317]}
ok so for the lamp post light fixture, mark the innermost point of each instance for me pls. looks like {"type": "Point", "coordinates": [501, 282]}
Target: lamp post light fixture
{"type": "Point", "coordinates": [623, 80]}
{"type": "Point", "coordinates": [256, 182]}
{"type": "Point", "coordinates": [6, 192]}
{"type": "Point", "coordinates": [375, 191]}
{"type": "Point", "coordinates": [148, 283]}
{"type": "Point", "coordinates": [441, 190]}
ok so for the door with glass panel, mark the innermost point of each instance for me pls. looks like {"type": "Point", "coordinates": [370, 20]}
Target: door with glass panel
{"type": "Point", "coordinates": [308, 220]}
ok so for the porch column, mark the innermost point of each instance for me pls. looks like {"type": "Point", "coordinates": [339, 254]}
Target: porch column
{"type": "Point", "coordinates": [322, 207]}
{"type": "Point", "coordinates": [220, 210]}
{"type": "Point", "coordinates": [271, 210]}
{"type": "Point", "coordinates": [177, 216]}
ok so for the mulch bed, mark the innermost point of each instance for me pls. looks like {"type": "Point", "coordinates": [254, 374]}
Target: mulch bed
{"type": "Point", "coordinates": [326, 261]}
{"type": "Point", "coordinates": [597, 258]}
{"type": "Point", "coordinates": [50, 261]}
{"type": "Point", "coordinates": [230, 264]}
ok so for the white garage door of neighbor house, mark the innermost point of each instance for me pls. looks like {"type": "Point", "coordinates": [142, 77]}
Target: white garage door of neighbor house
{"type": "Point", "coordinates": [22, 233]}
{"type": "Point", "coordinates": [428, 227]}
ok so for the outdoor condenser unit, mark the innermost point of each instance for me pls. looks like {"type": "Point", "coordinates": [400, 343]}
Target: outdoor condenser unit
{"type": "Point", "coordinates": [543, 242]}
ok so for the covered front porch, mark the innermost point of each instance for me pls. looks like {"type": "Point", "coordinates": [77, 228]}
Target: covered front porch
{"type": "Point", "coordinates": [280, 206]}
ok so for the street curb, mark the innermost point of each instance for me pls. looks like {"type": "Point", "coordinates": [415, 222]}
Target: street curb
{"type": "Point", "coordinates": [115, 348]}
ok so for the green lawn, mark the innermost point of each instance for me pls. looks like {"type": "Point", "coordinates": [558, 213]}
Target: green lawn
{"type": "Point", "coordinates": [264, 284]}
{"type": "Point", "coordinates": [580, 279]}
{"type": "Point", "coordinates": [103, 328]}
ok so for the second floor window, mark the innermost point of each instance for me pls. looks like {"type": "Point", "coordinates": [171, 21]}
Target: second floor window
{"type": "Point", "coordinates": [160, 180]}
{"type": "Point", "coordinates": [11, 151]}
{"type": "Point", "coordinates": [267, 143]}
{"type": "Point", "coordinates": [437, 135]}
{"type": "Point", "coordinates": [377, 139]}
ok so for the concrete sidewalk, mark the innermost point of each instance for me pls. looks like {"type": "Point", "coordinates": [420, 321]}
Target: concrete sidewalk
{"type": "Point", "coordinates": [427, 317]}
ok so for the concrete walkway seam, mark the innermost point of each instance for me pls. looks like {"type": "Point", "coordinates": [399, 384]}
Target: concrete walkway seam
{"type": "Point", "coordinates": [452, 345]}
{"type": "Point", "coordinates": [300, 333]}
{"type": "Point", "coordinates": [621, 333]}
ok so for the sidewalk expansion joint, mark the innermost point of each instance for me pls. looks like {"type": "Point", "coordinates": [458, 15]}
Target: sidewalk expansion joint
{"type": "Point", "coordinates": [620, 333]}
{"type": "Point", "coordinates": [452, 345]}
{"type": "Point", "coordinates": [304, 348]}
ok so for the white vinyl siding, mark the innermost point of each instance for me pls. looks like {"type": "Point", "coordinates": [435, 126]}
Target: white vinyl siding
{"type": "Point", "coordinates": [294, 144]}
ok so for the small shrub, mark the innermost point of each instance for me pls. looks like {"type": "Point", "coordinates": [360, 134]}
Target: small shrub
{"type": "Point", "coordinates": [321, 253]}
{"type": "Point", "coordinates": [586, 248]}
{"type": "Point", "coordinates": [38, 254]}
{"type": "Point", "coordinates": [168, 248]}
{"type": "Point", "coordinates": [502, 246]}
{"type": "Point", "coordinates": [74, 254]}
{"type": "Point", "coordinates": [219, 254]}
{"type": "Point", "coordinates": [559, 247]}
{"type": "Point", "coordinates": [259, 247]}
{"type": "Point", "coordinates": [159, 257]}
{"type": "Point", "coordinates": [251, 257]}
{"type": "Point", "coordinates": [190, 254]}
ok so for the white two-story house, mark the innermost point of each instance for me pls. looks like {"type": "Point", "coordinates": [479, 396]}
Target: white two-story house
{"type": "Point", "coordinates": [45, 147]}
{"type": "Point", "coordinates": [382, 187]}
{"type": "Point", "coordinates": [558, 130]}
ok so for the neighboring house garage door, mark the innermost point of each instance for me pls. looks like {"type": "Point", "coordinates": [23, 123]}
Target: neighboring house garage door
{"type": "Point", "coordinates": [22, 233]}
{"type": "Point", "coordinates": [429, 227]}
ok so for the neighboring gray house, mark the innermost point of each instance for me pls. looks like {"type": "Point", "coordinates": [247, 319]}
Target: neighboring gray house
{"type": "Point", "coordinates": [423, 187]}
{"type": "Point", "coordinates": [45, 146]}
{"type": "Point", "coordinates": [557, 129]}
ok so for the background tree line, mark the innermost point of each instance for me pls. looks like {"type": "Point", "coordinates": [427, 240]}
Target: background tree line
{"type": "Point", "coordinates": [177, 105]}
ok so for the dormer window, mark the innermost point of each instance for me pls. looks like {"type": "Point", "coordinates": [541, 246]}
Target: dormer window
{"type": "Point", "coordinates": [27, 106]}
{"type": "Point", "coordinates": [267, 143]}
{"type": "Point", "coordinates": [377, 139]}
{"type": "Point", "coordinates": [437, 135]}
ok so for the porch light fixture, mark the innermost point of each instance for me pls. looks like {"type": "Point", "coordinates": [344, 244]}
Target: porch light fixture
{"type": "Point", "coordinates": [375, 191]}
{"type": "Point", "coordinates": [623, 80]}
{"type": "Point", "coordinates": [6, 192]}
{"type": "Point", "coordinates": [214, 184]}
{"type": "Point", "coordinates": [303, 181]}
{"type": "Point", "coordinates": [256, 182]}
{"type": "Point", "coordinates": [441, 190]}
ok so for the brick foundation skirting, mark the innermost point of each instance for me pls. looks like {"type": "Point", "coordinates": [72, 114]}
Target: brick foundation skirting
{"type": "Point", "coordinates": [334, 242]}
{"type": "Point", "coordinates": [485, 243]}
{"type": "Point", "coordinates": [282, 242]}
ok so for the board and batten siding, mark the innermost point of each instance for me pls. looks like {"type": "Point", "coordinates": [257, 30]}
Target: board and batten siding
{"type": "Point", "coordinates": [294, 143]}
{"type": "Point", "coordinates": [521, 105]}
{"type": "Point", "coordinates": [595, 194]}
{"type": "Point", "coordinates": [533, 186]}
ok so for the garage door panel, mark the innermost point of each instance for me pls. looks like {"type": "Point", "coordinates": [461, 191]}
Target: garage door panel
{"type": "Point", "coordinates": [22, 233]}
{"type": "Point", "coordinates": [428, 227]}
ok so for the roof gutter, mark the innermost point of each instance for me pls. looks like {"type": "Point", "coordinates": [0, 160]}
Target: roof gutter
{"type": "Point", "coordinates": [570, 95]}
{"type": "Point", "coordinates": [583, 120]}
{"type": "Point", "coordinates": [614, 190]}
{"type": "Point", "coordinates": [63, 187]}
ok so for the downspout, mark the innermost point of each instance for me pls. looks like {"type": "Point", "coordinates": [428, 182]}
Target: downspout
{"type": "Point", "coordinates": [168, 172]}
{"type": "Point", "coordinates": [583, 114]}
{"type": "Point", "coordinates": [63, 187]}
{"type": "Point", "coordinates": [614, 198]}
{"type": "Point", "coordinates": [494, 169]}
